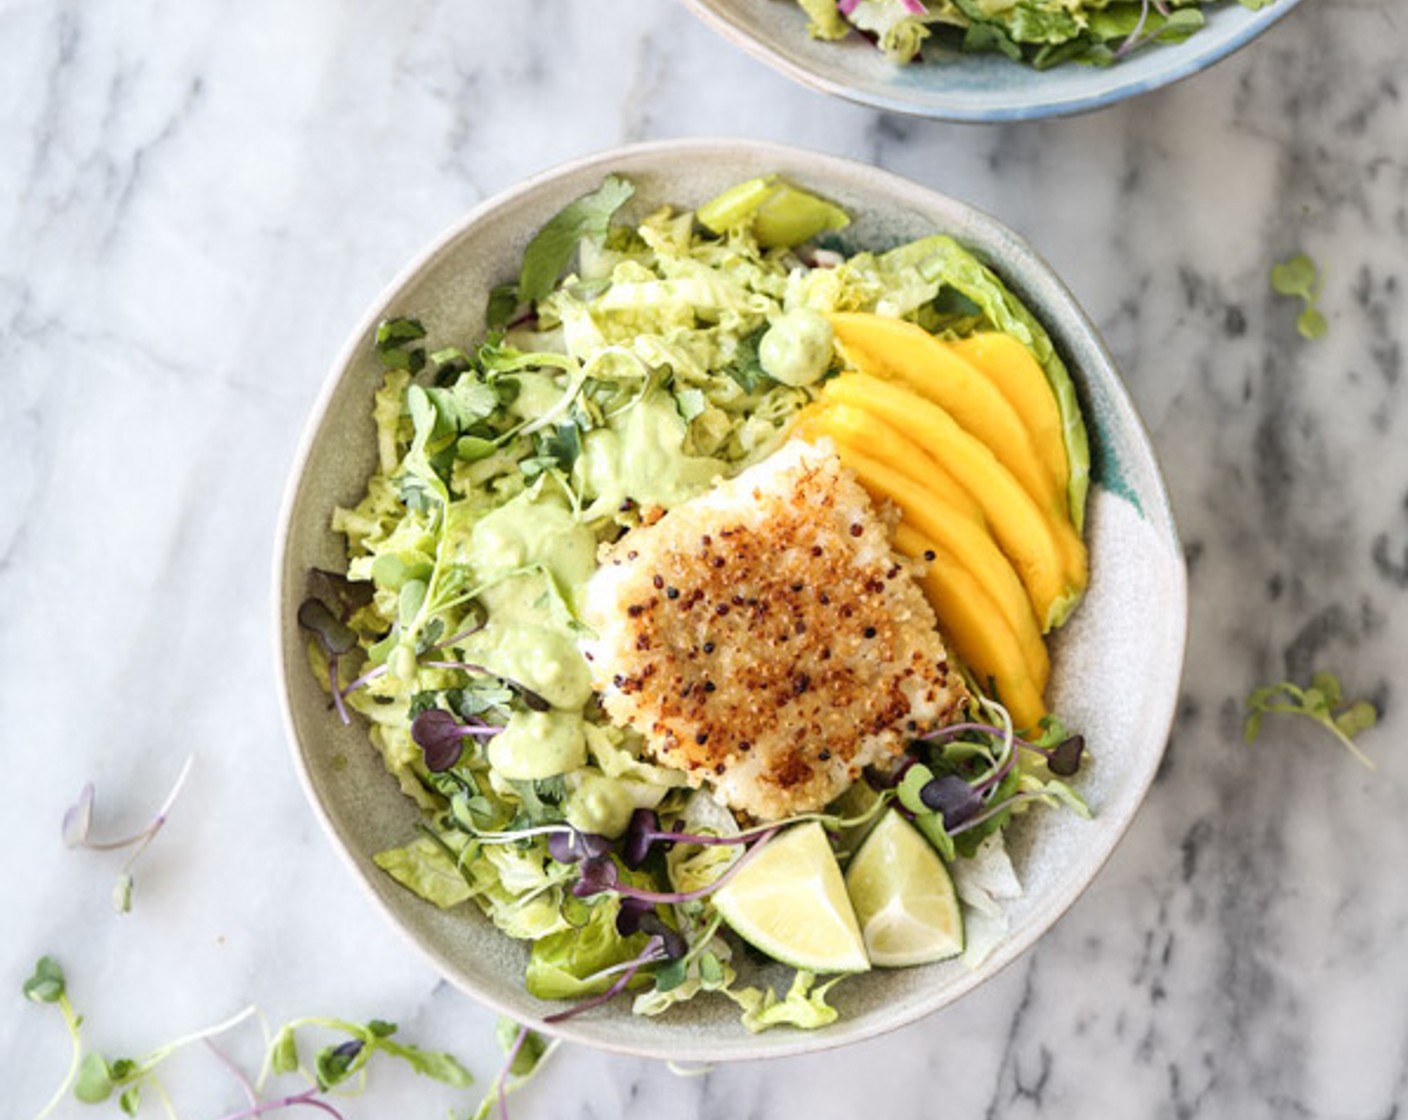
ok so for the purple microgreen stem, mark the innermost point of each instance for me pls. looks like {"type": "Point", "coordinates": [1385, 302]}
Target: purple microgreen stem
{"type": "Point", "coordinates": [644, 831]}
{"type": "Point", "coordinates": [84, 809]}
{"type": "Point", "coordinates": [238, 1074]}
{"type": "Point", "coordinates": [994, 810]}
{"type": "Point", "coordinates": [1063, 759]}
{"type": "Point", "coordinates": [649, 955]}
{"type": "Point", "coordinates": [596, 878]}
{"type": "Point", "coordinates": [365, 679]}
{"type": "Point", "coordinates": [1133, 40]}
{"type": "Point", "coordinates": [309, 1098]}
{"type": "Point", "coordinates": [338, 697]}
{"type": "Point", "coordinates": [502, 1080]}
{"type": "Point", "coordinates": [653, 957]}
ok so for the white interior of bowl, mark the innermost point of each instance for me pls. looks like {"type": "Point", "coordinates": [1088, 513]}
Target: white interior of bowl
{"type": "Point", "coordinates": [951, 85]}
{"type": "Point", "coordinates": [1116, 665]}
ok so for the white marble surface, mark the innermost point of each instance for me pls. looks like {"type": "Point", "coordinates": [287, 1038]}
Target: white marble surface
{"type": "Point", "coordinates": [198, 199]}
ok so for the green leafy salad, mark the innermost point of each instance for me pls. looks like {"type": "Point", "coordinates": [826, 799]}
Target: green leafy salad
{"type": "Point", "coordinates": [1043, 33]}
{"type": "Point", "coordinates": [629, 368]}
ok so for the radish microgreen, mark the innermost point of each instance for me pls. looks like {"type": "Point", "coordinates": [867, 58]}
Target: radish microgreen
{"type": "Point", "coordinates": [1321, 701]}
{"type": "Point", "coordinates": [47, 985]}
{"type": "Point", "coordinates": [94, 1078]}
{"type": "Point", "coordinates": [963, 782]}
{"type": "Point", "coordinates": [525, 1051]}
{"type": "Point", "coordinates": [79, 819]}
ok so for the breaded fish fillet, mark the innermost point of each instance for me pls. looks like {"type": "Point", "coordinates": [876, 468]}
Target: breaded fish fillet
{"type": "Point", "coordinates": [765, 639]}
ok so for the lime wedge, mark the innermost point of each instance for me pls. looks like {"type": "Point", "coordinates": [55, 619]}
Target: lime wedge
{"type": "Point", "coordinates": [790, 902]}
{"type": "Point", "coordinates": [903, 897]}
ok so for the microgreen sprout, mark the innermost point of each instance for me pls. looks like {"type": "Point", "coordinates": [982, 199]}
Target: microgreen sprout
{"type": "Point", "coordinates": [1300, 278]}
{"type": "Point", "coordinates": [972, 783]}
{"type": "Point", "coordinates": [570, 845]}
{"type": "Point", "coordinates": [953, 798]}
{"type": "Point", "coordinates": [1173, 23]}
{"type": "Point", "coordinates": [47, 985]}
{"type": "Point", "coordinates": [531, 700]}
{"type": "Point", "coordinates": [654, 951]}
{"type": "Point", "coordinates": [525, 1051]}
{"type": "Point", "coordinates": [336, 639]}
{"type": "Point", "coordinates": [644, 831]}
{"type": "Point", "coordinates": [79, 819]}
{"type": "Point", "coordinates": [598, 874]}
{"type": "Point", "coordinates": [1322, 701]}
{"type": "Point", "coordinates": [1063, 758]}
{"type": "Point", "coordinates": [441, 737]}
{"type": "Point", "coordinates": [638, 916]}
{"type": "Point", "coordinates": [94, 1078]}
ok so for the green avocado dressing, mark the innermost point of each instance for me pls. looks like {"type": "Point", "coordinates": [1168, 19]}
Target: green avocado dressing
{"type": "Point", "coordinates": [640, 456]}
{"type": "Point", "coordinates": [538, 745]}
{"type": "Point", "coordinates": [533, 558]}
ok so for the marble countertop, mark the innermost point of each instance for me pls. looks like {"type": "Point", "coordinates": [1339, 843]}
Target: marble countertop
{"type": "Point", "coordinates": [199, 200]}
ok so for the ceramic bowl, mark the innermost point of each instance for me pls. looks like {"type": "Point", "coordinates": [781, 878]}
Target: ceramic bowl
{"type": "Point", "coordinates": [953, 86]}
{"type": "Point", "coordinates": [1116, 664]}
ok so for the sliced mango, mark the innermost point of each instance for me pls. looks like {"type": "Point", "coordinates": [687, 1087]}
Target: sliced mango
{"type": "Point", "coordinates": [1019, 377]}
{"type": "Point", "coordinates": [904, 352]}
{"type": "Point", "coordinates": [976, 630]}
{"type": "Point", "coordinates": [855, 430]}
{"type": "Point", "coordinates": [1045, 551]}
{"type": "Point", "coordinates": [858, 436]}
{"type": "Point", "coordinates": [969, 543]}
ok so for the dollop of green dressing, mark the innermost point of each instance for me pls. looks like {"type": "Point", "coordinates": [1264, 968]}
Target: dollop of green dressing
{"type": "Point", "coordinates": [535, 558]}
{"type": "Point", "coordinates": [538, 745]}
{"type": "Point", "coordinates": [640, 455]}
{"type": "Point", "coordinates": [796, 349]}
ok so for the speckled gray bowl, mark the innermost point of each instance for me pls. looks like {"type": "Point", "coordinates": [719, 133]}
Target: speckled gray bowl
{"type": "Point", "coordinates": [953, 86]}
{"type": "Point", "coordinates": [1116, 665]}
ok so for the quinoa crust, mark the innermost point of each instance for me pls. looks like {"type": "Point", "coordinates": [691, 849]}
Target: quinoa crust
{"type": "Point", "coordinates": [766, 640]}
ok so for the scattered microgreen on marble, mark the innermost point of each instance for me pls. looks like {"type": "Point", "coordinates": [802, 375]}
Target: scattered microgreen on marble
{"type": "Point", "coordinates": [525, 1051]}
{"type": "Point", "coordinates": [78, 822]}
{"type": "Point", "coordinates": [1300, 278]}
{"type": "Point", "coordinates": [94, 1078]}
{"type": "Point", "coordinates": [47, 985]}
{"type": "Point", "coordinates": [1321, 701]}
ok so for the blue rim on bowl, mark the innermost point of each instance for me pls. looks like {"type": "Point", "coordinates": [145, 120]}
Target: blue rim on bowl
{"type": "Point", "coordinates": [1117, 664]}
{"type": "Point", "coordinates": [974, 88]}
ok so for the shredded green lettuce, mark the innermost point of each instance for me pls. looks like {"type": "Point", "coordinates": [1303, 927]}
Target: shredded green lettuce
{"type": "Point", "coordinates": [427, 868]}
{"type": "Point", "coordinates": [803, 1006]}
{"type": "Point", "coordinates": [566, 963]}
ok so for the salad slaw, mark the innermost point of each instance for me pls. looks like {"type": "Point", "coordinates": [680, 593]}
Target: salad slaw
{"type": "Point", "coordinates": [677, 352]}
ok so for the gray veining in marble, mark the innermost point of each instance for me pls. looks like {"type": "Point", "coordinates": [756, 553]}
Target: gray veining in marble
{"type": "Point", "coordinates": [200, 198]}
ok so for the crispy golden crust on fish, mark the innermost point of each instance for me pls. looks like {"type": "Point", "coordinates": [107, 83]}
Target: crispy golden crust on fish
{"type": "Point", "coordinates": [765, 638]}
